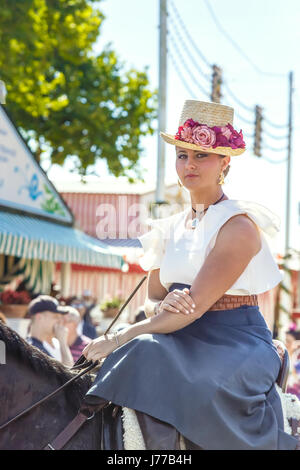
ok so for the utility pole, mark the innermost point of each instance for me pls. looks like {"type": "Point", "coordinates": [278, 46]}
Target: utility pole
{"type": "Point", "coordinates": [162, 104]}
{"type": "Point", "coordinates": [289, 164]}
{"type": "Point", "coordinates": [258, 131]}
{"type": "Point", "coordinates": [217, 81]}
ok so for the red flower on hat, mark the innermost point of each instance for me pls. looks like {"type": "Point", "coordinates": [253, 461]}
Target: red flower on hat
{"type": "Point", "coordinates": [187, 134]}
{"type": "Point", "coordinates": [210, 137]}
{"type": "Point", "coordinates": [236, 140]}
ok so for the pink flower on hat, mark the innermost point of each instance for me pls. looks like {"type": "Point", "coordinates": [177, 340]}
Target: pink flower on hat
{"type": "Point", "coordinates": [236, 140]}
{"type": "Point", "coordinates": [217, 136]}
{"type": "Point", "coordinates": [226, 132]}
{"type": "Point", "coordinates": [227, 136]}
{"type": "Point", "coordinates": [204, 136]}
{"type": "Point", "coordinates": [178, 133]}
{"type": "Point", "coordinates": [190, 123]}
{"type": "Point", "coordinates": [187, 134]}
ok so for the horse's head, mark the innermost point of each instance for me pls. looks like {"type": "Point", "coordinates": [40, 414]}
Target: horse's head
{"type": "Point", "coordinates": [27, 376]}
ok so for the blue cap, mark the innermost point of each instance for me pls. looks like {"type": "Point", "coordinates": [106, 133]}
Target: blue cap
{"type": "Point", "coordinates": [45, 303]}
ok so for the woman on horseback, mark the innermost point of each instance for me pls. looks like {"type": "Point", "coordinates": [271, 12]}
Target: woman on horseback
{"type": "Point", "coordinates": [203, 362]}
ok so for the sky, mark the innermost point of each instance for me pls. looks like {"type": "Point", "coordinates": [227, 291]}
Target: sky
{"type": "Point", "coordinates": [267, 33]}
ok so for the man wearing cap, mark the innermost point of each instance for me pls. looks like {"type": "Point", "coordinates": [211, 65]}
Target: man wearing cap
{"type": "Point", "coordinates": [47, 331]}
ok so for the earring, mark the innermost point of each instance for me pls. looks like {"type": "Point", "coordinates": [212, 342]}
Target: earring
{"type": "Point", "coordinates": [179, 183]}
{"type": "Point", "coordinates": [221, 180]}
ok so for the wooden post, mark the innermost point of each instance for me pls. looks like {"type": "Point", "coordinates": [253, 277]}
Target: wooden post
{"type": "Point", "coordinates": [162, 105]}
{"type": "Point", "coordinates": [65, 278]}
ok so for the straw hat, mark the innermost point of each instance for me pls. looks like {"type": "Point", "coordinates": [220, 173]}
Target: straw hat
{"type": "Point", "coordinates": [203, 126]}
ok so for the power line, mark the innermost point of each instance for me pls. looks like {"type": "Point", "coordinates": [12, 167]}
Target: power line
{"type": "Point", "coordinates": [275, 149]}
{"type": "Point", "coordinates": [274, 161]}
{"type": "Point", "coordinates": [242, 118]}
{"type": "Point", "coordinates": [188, 34]}
{"type": "Point", "coordinates": [175, 65]}
{"type": "Point", "coordinates": [229, 91]}
{"type": "Point", "coordinates": [247, 108]}
{"type": "Point", "coordinates": [278, 126]}
{"type": "Point", "coordinates": [277, 137]}
{"type": "Point", "coordinates": [236, 46]}
{"type": "Point", "coordinates": [187, 49]}
{"type": "Point", "coordinates": [183, 62]}
{"type": "Point", "coordinates": [248, 136]}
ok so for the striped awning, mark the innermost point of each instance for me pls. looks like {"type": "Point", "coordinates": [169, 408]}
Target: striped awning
{"type": "Point", "coordinates": [32, 238]}
{"type": "Point", "coordinates": [36, 275]}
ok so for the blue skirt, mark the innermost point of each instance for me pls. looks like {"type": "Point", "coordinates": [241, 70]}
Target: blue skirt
{"type": "Point", "coordinates": [213, 380]}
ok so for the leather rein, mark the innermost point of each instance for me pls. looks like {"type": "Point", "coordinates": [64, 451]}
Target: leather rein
{"type": "Point", "coordinates": [81, 417]}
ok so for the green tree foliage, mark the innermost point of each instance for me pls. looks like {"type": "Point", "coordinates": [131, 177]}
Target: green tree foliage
{"type": "Point", "coordinates": [65, 98]}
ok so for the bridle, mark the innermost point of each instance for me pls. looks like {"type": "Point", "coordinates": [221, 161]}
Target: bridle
{"type": "Point", "coordinates": [91, 365]}
{"type": "Point", "coordinates": [87, 366]}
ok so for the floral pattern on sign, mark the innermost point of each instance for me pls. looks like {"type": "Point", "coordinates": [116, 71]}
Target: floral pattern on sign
{"type": "Point", "coordinates": [51, 204]}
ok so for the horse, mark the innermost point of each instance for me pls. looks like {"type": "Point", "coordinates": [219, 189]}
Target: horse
{"type": "Point", "coordinates": [29, 375]}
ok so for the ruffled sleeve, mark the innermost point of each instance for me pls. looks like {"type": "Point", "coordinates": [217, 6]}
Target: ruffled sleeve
{"type": "Point", "coordinates": [262, 273]}
{"type": "Point", "coordinates": [154, 242]}
{"type": "Point", "coordinates": [267, 221]}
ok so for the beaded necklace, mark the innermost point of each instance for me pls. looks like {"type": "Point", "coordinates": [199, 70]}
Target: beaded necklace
{"type": "Point", "coordinates": [196, 221]}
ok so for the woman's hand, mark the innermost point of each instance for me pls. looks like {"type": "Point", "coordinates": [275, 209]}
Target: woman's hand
{"type": "Point", "coordinates": [100, 348]}
{"type": "Point", "coordinates": [178, 301]}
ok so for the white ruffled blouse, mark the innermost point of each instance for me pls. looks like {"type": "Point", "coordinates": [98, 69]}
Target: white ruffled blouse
{"type": "Point", "coordinates": [180, 252]}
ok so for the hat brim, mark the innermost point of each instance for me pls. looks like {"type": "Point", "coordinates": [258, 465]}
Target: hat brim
{"type": "Point", "coordinates": [58, 310]}
{"type": "Point", "coordinates": [62, 310]}
{"type": "Point", "coordinates": [228, 151]}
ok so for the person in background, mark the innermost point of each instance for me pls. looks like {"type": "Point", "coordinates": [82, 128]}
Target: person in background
{"type": "Point", "coordinates": [85, 326]}
{"type": "Point", "coordinates": [76, 342]}
{"type": "Point", "coordinates": [292, 342]}
{"type": "Point", "coordinates": [47, 331]}
{"type": "Point", "coordinates": [89, 301]}
{"type": "Point", "coordinates": [55, 291]}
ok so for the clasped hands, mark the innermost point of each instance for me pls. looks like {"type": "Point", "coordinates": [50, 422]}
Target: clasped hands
{"type": "Point", "coordinates": [178, 301]}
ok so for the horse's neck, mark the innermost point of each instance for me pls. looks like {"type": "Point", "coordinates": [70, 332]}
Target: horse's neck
{"type": "Point", "coordinates": [22, 386]}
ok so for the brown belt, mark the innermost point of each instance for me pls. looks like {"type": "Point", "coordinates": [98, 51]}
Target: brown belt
{"type": "Point", "coordinates": [234, 301]}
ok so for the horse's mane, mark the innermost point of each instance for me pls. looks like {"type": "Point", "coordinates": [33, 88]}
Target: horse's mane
{"type": "Point", "coordinates": [43, 364]}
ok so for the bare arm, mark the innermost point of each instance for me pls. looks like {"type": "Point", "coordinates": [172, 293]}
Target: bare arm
{"type": "Point", "coordinates": [237, 242]}
{"type": "Point", "coordinates": [155, 292]}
